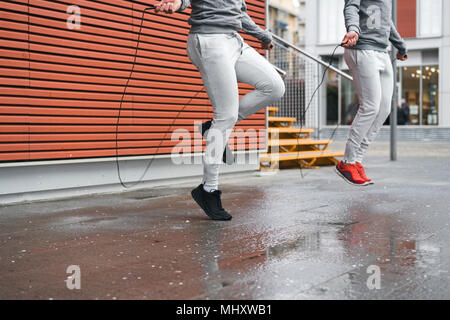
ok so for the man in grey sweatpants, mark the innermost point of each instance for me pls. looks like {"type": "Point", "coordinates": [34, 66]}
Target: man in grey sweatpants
{"type": "Point", "coordinates": [369, 30]}
{"type": "Point", "coordinates": [224, 59]}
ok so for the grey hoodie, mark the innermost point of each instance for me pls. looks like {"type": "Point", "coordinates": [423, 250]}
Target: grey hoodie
{"type": "Point", "coordinates": [223, 16]}
{"type": "Point", "coordinates": [371, 19]}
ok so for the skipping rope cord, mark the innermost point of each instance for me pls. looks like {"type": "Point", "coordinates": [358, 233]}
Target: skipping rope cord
{"type": "Point", "coordinates": [188, 103]}
{"type": "Point", "coordinates": [309, 105]}
{"type": "Point", "coordinates": [120, 111]}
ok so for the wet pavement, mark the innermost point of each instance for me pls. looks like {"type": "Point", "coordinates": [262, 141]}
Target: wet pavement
{"type": "Point", "coordinates": [290, 238]}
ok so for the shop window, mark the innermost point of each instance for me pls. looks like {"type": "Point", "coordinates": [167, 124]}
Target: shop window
{"type": "Point", "coordinates": [420, 94]}
{"type": "Point", "coordinates": [332, 94]}
{"type": "Point", "coordinates": [349, 102]}
{"type": "Point", "coordinates": [418, 103]}
{"type": "Point", "coordinates": [430, 98]}
{"type": "Point", "coordinates": [411, 93]}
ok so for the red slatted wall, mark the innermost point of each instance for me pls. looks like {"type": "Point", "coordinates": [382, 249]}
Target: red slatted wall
{"type": "Point", "coordinates": [60, 89]}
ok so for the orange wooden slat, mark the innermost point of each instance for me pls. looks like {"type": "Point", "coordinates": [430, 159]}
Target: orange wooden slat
{"type": "Point", "coordinates": [60, 89]}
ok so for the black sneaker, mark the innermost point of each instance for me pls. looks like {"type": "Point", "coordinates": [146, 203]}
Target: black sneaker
{"type": "Point", "coordinates": [227, 157]}
{"type": "Point", "coordinates": [210, 203]}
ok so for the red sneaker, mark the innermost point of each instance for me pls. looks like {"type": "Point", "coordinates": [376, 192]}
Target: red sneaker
{"type": "Point", "coordinates": [350, 173]}
{"type": "Point", "coordinates": [362, 172]}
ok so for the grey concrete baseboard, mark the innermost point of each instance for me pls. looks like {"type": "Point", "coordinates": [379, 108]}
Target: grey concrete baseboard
{"type": "Point", "coordinates": [65, 179]}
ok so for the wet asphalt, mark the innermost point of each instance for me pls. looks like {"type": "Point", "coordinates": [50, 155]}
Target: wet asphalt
{"type": "Point", "coordinates": [291, 237]}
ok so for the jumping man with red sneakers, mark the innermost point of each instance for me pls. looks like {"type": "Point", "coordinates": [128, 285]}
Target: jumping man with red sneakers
{"type": "Point", "coordinates": [369, 30]}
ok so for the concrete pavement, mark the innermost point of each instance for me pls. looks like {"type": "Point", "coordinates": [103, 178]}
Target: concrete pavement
{"type": "Point", "coordinates": [290, 238]}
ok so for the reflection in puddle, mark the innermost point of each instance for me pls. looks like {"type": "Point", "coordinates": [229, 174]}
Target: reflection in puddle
{"type": "Point", "coordinates": [429, 257]}
{"type": "Point", "coordinates": [327, 259]}
{"type": "Point", "coordinates": [309, 242]}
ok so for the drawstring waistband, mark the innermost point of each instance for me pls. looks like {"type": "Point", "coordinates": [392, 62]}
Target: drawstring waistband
{"type": "Point", "coordinates": [239, 38]}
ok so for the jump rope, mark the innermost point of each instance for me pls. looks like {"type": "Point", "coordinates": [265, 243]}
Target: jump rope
{"type": "Point", "coordinates": [309, 105]}
{"type": "Point", "coordinates": [127, 186]}
{"type": "Point", "coordinates": [312, 97]}
{"type": "Point", "coordinates": [131, 185]}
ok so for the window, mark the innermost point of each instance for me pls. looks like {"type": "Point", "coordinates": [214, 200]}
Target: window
{"type": "Point", "coordinates": [430, 99]}
{"type": "Point", "coordinates": [332, 93]}
{"type": "Point", "coordinates": [418, 103]}
{"type": "Point", "coordinates": [410, 82]}
{"type": "Point", "coordinates": [331, 21]}
{"type": "Point", "coordinates": [349, 102]}
{"type": "Point", "coordinates": [332, 96]}
{"type": "Point", "coordinates": [341, 99]}
{"type": "Point", "coordinates": [429, 18]}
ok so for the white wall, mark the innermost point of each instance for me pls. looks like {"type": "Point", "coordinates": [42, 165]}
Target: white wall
{"type": "Point", "coordinates": [330, 22]}
{"type": "Point", "coordinates": [430, 18]}
{"type": "Point", "coordinates": [444, 62]}
{"type": "Point", "coordinates": [61, 179]}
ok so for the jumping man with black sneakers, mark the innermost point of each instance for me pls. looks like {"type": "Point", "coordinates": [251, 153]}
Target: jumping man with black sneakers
{"type": "Point", "coordinates": [224, 59]}
{"type": "Point", "coordinates": [369, 30]}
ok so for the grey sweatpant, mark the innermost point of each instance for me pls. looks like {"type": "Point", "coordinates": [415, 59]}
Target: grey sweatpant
{"type": "Point", "coordinates": [224, 60]}
{"type": "Point", "coordinates": [374, 83]}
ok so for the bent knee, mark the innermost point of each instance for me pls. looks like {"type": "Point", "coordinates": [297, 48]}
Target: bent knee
{"type": "Point", "coordinates": [274, 88]}
{"type": "Point", "coordinates": [278, 89]}
{"type": "Point", "coordinates": [226, 121]}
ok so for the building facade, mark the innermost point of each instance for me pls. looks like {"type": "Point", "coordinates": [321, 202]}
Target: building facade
{"type": "Point", "coordinates": [423, 80]}
{"type": "Point", "coordinates": [94, 92]}
{"type": "Point", "coordinates": [287, 20]}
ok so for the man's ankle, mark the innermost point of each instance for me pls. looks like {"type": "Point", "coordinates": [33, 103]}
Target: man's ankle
{"type": "Point", "coordinates": [210, 188]}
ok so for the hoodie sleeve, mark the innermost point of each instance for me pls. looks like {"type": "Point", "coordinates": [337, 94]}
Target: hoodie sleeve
{"type": "Point", "coordinates": [184, 5]}
{"type": "Point", "coordinates": [351, 15]}
{"type": "Point", "coordinates": [397, 40]}
{"type": "Point", "coordinates": [250, 27]}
